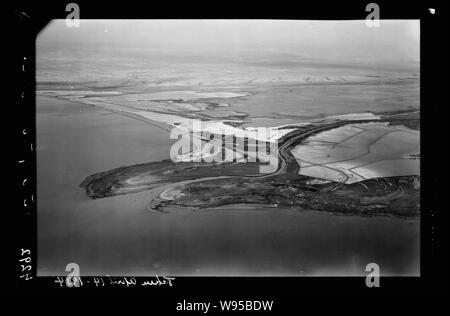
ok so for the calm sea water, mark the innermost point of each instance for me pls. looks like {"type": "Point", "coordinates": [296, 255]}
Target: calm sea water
{"type": "Point", "coordinates": [118, 236]}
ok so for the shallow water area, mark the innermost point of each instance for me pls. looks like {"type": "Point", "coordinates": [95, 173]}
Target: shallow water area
{"type": "Point", "coordinates": [119, 236]}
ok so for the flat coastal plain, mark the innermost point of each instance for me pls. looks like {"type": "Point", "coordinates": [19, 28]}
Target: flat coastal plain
{"type": "Point", "coordinates": [99, 109]}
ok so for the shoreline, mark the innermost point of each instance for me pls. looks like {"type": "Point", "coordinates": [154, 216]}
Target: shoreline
{"type": "Point", "coordinates": [286, 175]}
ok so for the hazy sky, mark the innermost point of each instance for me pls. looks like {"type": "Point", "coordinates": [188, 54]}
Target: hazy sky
{"type": "Point", "coordinates": [394, 40]}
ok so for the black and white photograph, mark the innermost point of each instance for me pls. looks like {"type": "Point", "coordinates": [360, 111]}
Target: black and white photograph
{"type": "Point", "coordinates": [162, 154]}
{"type": "Point", "coordinates": [228, 147]}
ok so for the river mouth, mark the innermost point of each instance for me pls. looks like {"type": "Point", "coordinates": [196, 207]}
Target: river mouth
{"type": "Point", "coordinates": [152, 229]}
{"type": "Point", "coordinates": [111, 199]}
{"type": "Point", "coordinates": [359, 148]}
{"type": "Point", "coordinates": [131, 240]}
